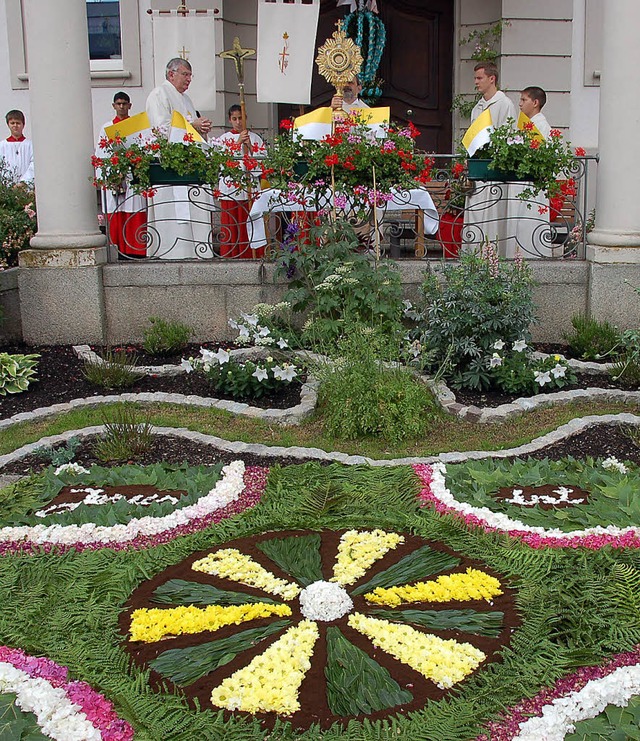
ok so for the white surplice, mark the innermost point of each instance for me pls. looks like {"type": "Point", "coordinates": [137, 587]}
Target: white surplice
{"type": "Point", "coordinates": [183, 223]}
{"type": "Point", "coordinates": [18, 156]}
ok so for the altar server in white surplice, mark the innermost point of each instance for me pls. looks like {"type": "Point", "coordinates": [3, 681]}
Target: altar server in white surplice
{"type": "Point", "coordinates": [17, 150]}
{"type": "Point", "coordinates": [486, 208]}
{"type": "Point", "coordinates": [182, 225]}
{"type": "Point", "coordinates": [529, 220]}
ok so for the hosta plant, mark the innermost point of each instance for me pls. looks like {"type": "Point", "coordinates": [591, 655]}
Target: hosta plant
{"type": "Point", "coordinates": [16, 372]}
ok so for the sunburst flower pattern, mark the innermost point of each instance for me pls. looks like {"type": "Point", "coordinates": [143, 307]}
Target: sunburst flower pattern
{"type": "Point", "coordinates": [305, 597]}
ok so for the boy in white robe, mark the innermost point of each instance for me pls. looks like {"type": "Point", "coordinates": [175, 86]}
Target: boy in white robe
{"type": "Point", "coordinates": [125, 211]}
{"type": "Point", "coordinates": [234, 201]}
{"type": "Point", "coordinates": [17, 150]}
{"type": "Point", "coordinates": [528, 221]}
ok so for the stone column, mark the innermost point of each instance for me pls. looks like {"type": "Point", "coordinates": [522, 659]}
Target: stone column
{"type": "Point", "coordinates": [61, 279]}
{"type": "Point", "coordinates": [613, 246]}
{"type": "Point", "coordinates": [618, 186]}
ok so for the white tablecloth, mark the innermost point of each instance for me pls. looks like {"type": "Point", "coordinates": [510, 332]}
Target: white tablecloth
{"type": "Point", "coordinates": [273, 199]}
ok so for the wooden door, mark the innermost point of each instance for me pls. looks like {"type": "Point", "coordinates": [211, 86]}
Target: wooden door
{"type": "Point", "coordinates": [416, 66]}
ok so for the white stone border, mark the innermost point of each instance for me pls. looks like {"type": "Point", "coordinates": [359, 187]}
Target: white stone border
{"type": "Point", "coordinates": [574, 427]}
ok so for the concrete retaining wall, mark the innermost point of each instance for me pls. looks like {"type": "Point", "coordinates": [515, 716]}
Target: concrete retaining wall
{"type": "Point", "coordinates": [10, 319]}
{"type": "Point", "coordinates": [205, 294]}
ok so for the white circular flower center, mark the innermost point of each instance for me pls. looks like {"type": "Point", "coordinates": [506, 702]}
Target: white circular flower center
{"type": "Point", "coordinates": [325, 601]}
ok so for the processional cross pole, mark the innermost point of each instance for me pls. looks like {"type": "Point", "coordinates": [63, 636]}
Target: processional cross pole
{"type": "Point", "coordinates": [238, 54]}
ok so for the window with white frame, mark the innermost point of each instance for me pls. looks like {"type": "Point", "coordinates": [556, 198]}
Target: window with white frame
{"type": "Point", "coordinates": [113, 28]}
{"type": "Point", "coordinates": [105, 40]}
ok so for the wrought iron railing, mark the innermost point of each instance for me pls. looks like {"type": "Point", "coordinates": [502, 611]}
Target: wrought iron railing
{"type": "Point", "coordinates": [193, 221]}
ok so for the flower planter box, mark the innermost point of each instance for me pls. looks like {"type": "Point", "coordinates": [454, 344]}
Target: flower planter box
{"type": "Point", "coordinates": [480, 170]}
{"type": "Point", "coordinates": [300, 169]}
{"type": "Point", "coordinates": [160, 175]}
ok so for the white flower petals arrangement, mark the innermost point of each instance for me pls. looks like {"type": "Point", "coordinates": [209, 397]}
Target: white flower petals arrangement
{"type": "Point", "coordinates": [560, 716]}
{"type": "Point", "coordinates": [562, 498]}
{"type": "Point", "coordinates": [324, 601]}
{"type": "Point", "coordinates": [436, 493]}
{"type": "Point", "coordinates": [227, 489]}
{"type": "Point", "coordinates": [56, 714]}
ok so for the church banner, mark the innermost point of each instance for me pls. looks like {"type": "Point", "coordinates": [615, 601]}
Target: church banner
{"type": "Point", "coordinates": [286, 50]}
{"type": "Point", "coordinates": [191, 37]}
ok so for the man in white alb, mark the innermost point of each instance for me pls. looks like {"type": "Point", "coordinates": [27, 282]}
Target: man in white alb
{"type": "Point", "coordinates": [349, 101]}
{"type": "Point", "coordinates": [486, 208]}
{"type": "Point", "coordinates": [184, 225]}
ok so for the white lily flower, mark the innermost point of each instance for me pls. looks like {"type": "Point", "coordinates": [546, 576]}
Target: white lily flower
{"type": "Point", "coordinates": [495, 361]}
{"type": "Point", "coordinates": [264, 332]}
{"type": "Point", "coordinates": [542, 378]}
{"type": "Point", "coordinates": [519, 346]}
{"type": "Point", "coordinates": [222, 356]}
{"type": "Point", "coordinates": [559, 371]}
{"type": "Point", "coordinates": [289, 372]}
{"type": "Point", "coordinates": [207, 355]}
{"type": "Point", "coordinates": [233, 324]}
{"type": "Point", "coordinates": [250, 319]}
{"type": "Point", "coordinates": [261, 374]}
{"type": "Point", "coordinates": [282, 343]}
{"type": "Point", "coordinates": [498, 344]}
{"type": "Point", "coordinates": [186, 365]}
{"type": "Point", "coordinates": [243, 331]}
{"type": "Point", "coordinates": [277, 372]}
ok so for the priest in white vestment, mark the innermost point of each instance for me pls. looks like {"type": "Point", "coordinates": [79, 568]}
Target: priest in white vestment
{"type": "Point", "coordinates": [486, 208]}
{"type": "Point", "coordinates": [184, 224]}
{"type": "Point", "coordinates": [350, 100]}
{"type": "Point", "coordinates": [17, 151]}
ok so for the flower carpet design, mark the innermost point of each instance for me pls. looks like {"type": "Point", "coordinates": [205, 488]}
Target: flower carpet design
{"type": "Point", "coordinates": [319, 626]}
{"type": "Point", "coordinates": [569, 513]}
{"type": "Point", "coordinates": [79, 510]}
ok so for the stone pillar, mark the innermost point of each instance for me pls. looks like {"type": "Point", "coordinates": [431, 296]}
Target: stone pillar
{"type": "Point", "coordinates": [613, 246]}
{"type": "Point", "coordinates": [61, 278]}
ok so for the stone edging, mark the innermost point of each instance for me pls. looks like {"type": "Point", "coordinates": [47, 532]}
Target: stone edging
{"type": "Point", "coordinates": [563, 432]}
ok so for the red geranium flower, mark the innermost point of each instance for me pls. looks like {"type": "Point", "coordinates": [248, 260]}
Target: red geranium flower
{"type": "Point", "coordinates": [535, 144]}
{"type": "Point", "coordinates": [555, 133]}
{"type": "Point", "coordinates": [581, 152]}
{"type": "Point", "coordinates": [528, 126]}
{"type": "Point", "coordinates": [188, 137]}
{"type": "Point", "coordinates": [457, 169]}
{"type": "Point", "coordinates": [331, 159]}
{"type": "Point", "coordinates": [286, 124]}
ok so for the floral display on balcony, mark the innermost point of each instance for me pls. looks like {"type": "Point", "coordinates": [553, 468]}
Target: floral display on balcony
{"type": "Point", "coordinates": [361, 167]}
{"type": "Point", "coordinates": [546, 163]}
{"type": "Point", "coordinates": [123, 161]}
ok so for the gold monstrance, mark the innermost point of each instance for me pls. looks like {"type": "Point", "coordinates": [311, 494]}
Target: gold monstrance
{"type": "Point", "coordinates": [339, 60]}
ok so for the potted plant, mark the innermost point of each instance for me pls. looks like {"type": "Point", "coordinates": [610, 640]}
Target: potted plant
{"type": "Point", "coordinates": [157, 161]}
{"type": "Point", "coordinates": [513, 154]}
{"type": "Point", "coordinates": [352, 160]}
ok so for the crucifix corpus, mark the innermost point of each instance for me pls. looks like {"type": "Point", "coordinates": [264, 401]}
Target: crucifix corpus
{"type": "Point", "coordinates": [238, 55]}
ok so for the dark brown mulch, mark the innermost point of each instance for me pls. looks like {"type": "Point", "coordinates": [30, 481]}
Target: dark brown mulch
{"type": "Point", "coordinates": [175, 450]}
{"type": "Point", "coordinates": [496, 398]}
{"type": "Point", "coordinates": [60, 379]}
{"type": "Point", "coordinates": [313, 695]}
{"type": "Point", "coordinates": [599, 441]}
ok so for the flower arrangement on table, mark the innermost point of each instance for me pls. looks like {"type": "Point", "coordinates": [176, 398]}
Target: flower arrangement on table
{"type": "Point", "coordinates": [122, 161]}
{"type": "Point", "coordinates": [351, 160]}
{"type": "Point", "coordinates": [524, 153]}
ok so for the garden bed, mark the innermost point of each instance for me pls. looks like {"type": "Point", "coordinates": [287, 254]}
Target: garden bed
{"type": "Point", "coordinates": [60, 379]}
